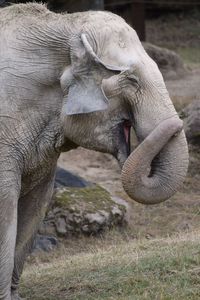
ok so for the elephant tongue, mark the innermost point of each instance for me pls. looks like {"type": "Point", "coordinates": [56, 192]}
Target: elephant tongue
{"type": "Point", "coordinates": [126, 133]}
{"type": "Point", "coordinates": [127, 129]}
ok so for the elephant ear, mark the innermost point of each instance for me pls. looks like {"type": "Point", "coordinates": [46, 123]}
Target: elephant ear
{"type": "Point", "coordinates": [82, 92]}
{"type": "Point", "coordinates": [84, 97]}
{"type": "Point", "coordinates": [93, 55]}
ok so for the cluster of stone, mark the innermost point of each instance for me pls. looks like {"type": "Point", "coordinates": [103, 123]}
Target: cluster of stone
{"type": "Point", "coordinates": [87, 210]}
{"type": "Point", "coordinates": [191, 116]}
{"type": "Point", "coordinates": [168, 61]}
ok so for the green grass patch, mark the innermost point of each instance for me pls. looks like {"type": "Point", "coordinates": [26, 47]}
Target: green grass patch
{"type": "Point", "coordinates": [156, 269]}
{"type": "Point", "coordinates": [179, 32]}
{"type": "Point", "coordinates": [190, 56]}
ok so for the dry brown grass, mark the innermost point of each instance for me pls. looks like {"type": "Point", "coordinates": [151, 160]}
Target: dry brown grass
{"type": "Point", "coordinates": [179, 32]}
{"type": "Point", "coordinates": [144, 269]}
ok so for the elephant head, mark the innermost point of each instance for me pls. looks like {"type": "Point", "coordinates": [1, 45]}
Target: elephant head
{"type": "Point", "coordinates": [113, 85]}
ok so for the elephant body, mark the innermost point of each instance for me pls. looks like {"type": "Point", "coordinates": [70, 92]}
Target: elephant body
{"type": "Point", "coordinates": [68, 81]}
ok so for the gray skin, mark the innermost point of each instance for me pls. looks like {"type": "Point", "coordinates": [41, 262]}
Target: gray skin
{"type": "Point", "coordinates": [76, 80]}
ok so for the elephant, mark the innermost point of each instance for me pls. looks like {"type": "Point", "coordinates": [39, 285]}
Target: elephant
{"type": "Point", "coordinates": [70, 80]}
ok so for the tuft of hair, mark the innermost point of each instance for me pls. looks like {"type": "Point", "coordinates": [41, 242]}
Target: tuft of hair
{"type": "Point", "coordinates": [29, 9]}
{"type": "Point", "coordinates": [32, 8]}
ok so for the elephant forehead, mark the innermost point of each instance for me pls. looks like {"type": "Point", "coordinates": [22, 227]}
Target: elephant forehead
{"type": "Point", "coordinates": [123, 47]}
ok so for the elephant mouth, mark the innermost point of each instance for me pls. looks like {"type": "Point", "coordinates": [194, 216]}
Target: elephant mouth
{"type": "Point", "coordinates": [127, 134]}
{"type": "Point", "coordinates": [121, 135]}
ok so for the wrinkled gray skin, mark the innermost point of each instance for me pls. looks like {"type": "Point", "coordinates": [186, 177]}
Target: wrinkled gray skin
{"type": "Point", "coordinates": [70, 80]}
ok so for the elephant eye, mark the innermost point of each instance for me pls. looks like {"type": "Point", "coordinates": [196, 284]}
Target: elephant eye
{"type": "Point", "coordinates": [134, 81]}
{"type": "Point", "coordinates": [133, 78]}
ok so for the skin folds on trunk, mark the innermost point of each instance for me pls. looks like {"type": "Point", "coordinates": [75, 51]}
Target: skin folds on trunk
{"type": "Point", "coordinates": [157, 167]}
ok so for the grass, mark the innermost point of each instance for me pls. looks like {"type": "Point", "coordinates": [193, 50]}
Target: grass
{"type": "Point", "coordinates": [137, 263]}
{"type": "Point", "coordinates": [190, 55]}
{"type": "Point", "coordinates": [145, 269]}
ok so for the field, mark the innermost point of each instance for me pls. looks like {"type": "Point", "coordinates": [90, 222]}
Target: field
{"type": "Point", "coordinates": [158, 255]}
{"type": "Point", "coordinates": [165, 268]}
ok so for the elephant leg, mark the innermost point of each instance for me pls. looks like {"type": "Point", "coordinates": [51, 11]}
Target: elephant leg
{"type": "Point", "coordinates": [31, 211]}
{"type": "Point", "coordinates": [9, 194]}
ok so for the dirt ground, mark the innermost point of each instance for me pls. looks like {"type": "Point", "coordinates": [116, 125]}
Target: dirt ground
{"type": "Point", "coordinates": [181, 212]}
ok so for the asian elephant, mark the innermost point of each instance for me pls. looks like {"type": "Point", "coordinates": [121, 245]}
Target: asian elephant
{"type": "Point", "coordinates": [70, 80]}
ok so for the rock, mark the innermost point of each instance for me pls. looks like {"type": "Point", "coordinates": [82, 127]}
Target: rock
{"type": "Point", "coordinates": [65, 178]}
{"type": "Point", "coordinates": [87, 210]}
{"type": "Point", "coordinates": [79, 206]}
{"type": "Point", "coordinates": [44, 243]}
{"type": "Point", "coordinates": [95, 218]}
{"type": "Point", "coordinates": [191, 117]}
{"type": "Point", "coordinates": [60, 225]}
{"type": "Point", "coordinates": [120, 201]}
{"type": "Point", "coordinates": [168, 61]}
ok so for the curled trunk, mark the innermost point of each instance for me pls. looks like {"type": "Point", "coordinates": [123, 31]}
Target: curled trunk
{"type": "Point", "coordinates": [158, 166]}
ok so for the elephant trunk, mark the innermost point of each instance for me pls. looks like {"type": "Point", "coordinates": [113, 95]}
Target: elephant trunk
{"type": "Point", "coordinates": [157, 167]}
